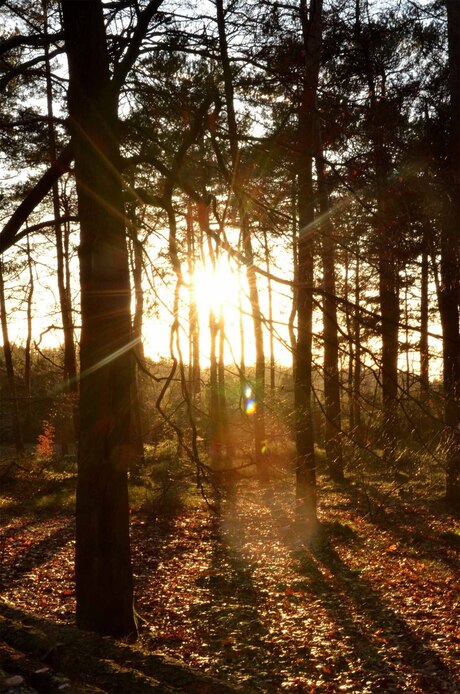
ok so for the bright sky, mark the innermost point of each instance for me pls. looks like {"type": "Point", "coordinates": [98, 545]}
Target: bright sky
{"type": "Point", "coordinates": [213, 291]}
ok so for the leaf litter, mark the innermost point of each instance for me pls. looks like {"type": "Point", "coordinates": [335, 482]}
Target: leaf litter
{"type": "Point", "coordinates": [370, 604]}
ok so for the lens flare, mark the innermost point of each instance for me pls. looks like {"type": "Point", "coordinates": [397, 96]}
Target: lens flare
{"type": "Point", "coordinates": [251, 405]}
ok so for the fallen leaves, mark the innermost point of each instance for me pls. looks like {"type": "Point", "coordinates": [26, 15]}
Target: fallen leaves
{"type": "Point", "coordinates": [369, 606]}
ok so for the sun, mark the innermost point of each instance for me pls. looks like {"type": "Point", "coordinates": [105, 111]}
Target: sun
{"type": "Point", "coordinates": [216, 288]}
{"type": "Point", "coordinates": [219, 289]}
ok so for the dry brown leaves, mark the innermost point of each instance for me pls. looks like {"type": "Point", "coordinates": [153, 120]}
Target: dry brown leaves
{"type": "Point", "coordinates": [369, 605]}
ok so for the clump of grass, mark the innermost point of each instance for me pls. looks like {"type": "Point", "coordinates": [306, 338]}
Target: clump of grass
{"type": "Point", "coordinates": [55, 501]}
{"type": "Point", "coordinates": [162, 487]}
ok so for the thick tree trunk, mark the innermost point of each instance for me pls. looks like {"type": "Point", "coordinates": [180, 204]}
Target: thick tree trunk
{"type": "Point", "coordinates": [103, 562]}
{"type": "Point", "coordinates": [450, 272]}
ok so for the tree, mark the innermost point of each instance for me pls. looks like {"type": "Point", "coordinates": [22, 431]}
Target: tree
{"type": "Point", "coordinates": [70, 384]}
{"type": "Point", "coordinates": [374, 65]}
{"type": "Point", "coordinates": [450, 259]}
{"type": "Point", "coordinates": [332, 409]}
{"type": "Point", "coordinates": [305, 462]}
{"type": "Point", "coordinates": [10, 375]}
{"type": "Point", "coordinates": [103, 562]}
{"type": "Point", "coordinates": [235, 181]}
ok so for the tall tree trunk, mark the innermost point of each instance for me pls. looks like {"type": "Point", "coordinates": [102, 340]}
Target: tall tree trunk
{"type": "Point", "coordinates": [406, 331]}
{"type": "Point", "coordinates": [27, 350]}
{"type": "Point", "coordinates": [357, 419]}
{"type": "Point", "coordinates": [194, 324]}
{"type": "Point", "coordinates": [389, 309]}
{"type": "Point", "coordinates": [386, 244]}
{"type": "Point", "coordinates": [223, 409]}
{"type": "Point", "coordinates": [138, 320]}
{"type": "Point", "coordinates": [103, 562]}
{"type": "Point", "coordinates": [350, 340]}
{"type": "Point", "coordinates": [259, 386]}
{"type": "Point", "coordinates": [333, 428]}
{"type": "Point", "coordinates": [217, 403]}
{"type": "Point", "coordinates": [450, 273]}
{"type": "Point", "coordinates": [293, 311]}
{"type": "Point", "coordinates": [270, 314]}
{"type": "Point", "coordinates": [70, 359]}
{"type": "Point", "coordinates": [243, 379]}
{"type": "Point", "coordinates": [10, 377]}
{"type": "Point", "coordinates": [305, 452]}
{"type": "Point", "coordinates": [66, 429]}
{"type": "Point", "coordinates": [424, 315]}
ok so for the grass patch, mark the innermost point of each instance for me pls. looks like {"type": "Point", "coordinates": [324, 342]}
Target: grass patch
{"type": "Point", "coordinates": [58, 500]}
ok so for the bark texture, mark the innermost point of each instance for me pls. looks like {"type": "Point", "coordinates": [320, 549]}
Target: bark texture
{"type": "Point", "coordinates": [103, 564]}
{"type": "Point", "coordinates": [450, 273]}
{"type": "Point", "coordinates": [305, 453]}
{"type": "Point", "coordinates": [333, 424]}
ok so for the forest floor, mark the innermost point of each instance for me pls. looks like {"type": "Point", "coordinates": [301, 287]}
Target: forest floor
{"type": "Point", "coordinates": [370, 604]}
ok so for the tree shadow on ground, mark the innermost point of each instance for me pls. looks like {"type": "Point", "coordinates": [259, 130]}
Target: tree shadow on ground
{"type": "Point", "coordinates": [102, 663]}
{"type": "Point", "coordinates": [390, 655]}
{"type": "Point", "coordinates": [231, 622]}
{"type": "Point", "coordinates": [405, 522]}
{"type": "Point", "coordinates": [35, 553]}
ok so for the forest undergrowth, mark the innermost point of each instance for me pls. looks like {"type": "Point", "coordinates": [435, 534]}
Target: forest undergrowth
{"type": "Point", "coordinates": [240, 591]}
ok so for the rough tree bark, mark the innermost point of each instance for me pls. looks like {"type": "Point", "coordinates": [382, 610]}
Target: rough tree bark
{"type": "Point", "coordinates": [333, 428]}
{"type": "Point", "coordinates": [104, 585]}
{"type": "Point", "coordinates": [305, 453]}
{"type": "Point", "coordinates": [450, 259]}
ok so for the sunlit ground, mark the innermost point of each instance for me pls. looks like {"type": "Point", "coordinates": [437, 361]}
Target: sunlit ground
{"type": "Point", "coordinates": [369, 606]}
